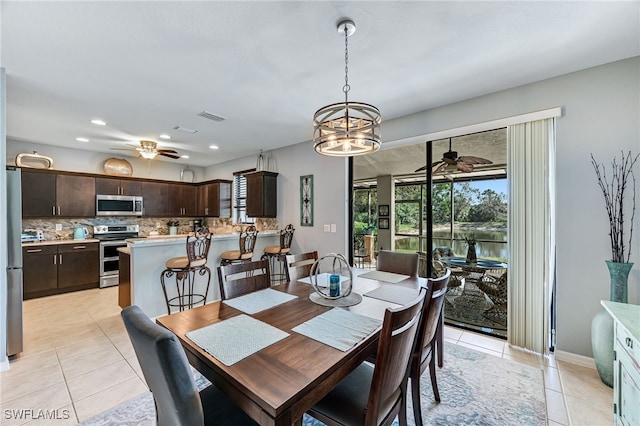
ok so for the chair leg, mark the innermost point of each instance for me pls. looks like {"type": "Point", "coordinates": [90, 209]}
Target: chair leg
{"type": "Point", "coordinates": [402, 416]}
{"type": "Point", "coordinates": [432, 373]}
{"type": "Point", "coordinates": [415, 398]}
{"type": "Point", "coordinates": [440, 338]}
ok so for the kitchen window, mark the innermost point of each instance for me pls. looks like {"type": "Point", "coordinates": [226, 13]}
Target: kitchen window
{"type": "Point", "coordinates": [240, 197]}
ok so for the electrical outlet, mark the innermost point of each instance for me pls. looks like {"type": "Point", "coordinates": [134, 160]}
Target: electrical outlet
{"type": "Point", "coordinates": [158, 225]}
{"type": "Point", "coordinates": [58, 227]}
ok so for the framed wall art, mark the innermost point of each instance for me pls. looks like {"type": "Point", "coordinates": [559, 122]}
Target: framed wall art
{"type": "Point", "coordinates": [383, 210]}
{"type": "Point", "coordinates": [383, 223]}
{"type": "Point", "coordinates": [306, 200]}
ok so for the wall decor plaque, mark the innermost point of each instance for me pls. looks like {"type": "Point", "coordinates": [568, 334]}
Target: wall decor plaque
{"type": "Point", "coordinates": [306, 200]}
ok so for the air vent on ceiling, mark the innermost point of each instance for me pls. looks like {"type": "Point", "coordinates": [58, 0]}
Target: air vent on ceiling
{"type": "Point", "coordinates": [184, 129]}
{"type": "Point", "coordinates": [208, 115]}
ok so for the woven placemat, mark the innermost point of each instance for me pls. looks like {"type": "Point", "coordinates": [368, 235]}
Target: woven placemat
{"type": "Point", "coordinates": [338, 328]}
{"type": "Point", "coordinates": [259, 300]}
{"type": "Point", "coordinates": [388, 277]}
{"type": "Point", "coordinates": [236, 338]}
{"type": "Point", "coordinates": [394, 294]}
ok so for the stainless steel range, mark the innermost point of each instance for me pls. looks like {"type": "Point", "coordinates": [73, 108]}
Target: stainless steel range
{"type": "Point", "coordinates": [111, 238]}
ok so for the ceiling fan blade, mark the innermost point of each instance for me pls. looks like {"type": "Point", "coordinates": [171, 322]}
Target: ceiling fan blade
{"type": "Point", "coordinates": [420, 169]}
{"type": "Point", "coordinates": [168, 151]}
{"type": "Point", "coordinates": [438, 168]}
{"type": "Point", "coordinates": [166, 154]}
{"type": "Point", "coordinates": [470, 159]}
{"type": "Point", "coordinates": [464, 167]}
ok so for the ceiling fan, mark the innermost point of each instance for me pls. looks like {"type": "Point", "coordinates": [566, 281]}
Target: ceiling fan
{"type": "Point", "coordinates": [451, 162]}
{"type": "Point", "coordinates": [149, 149]}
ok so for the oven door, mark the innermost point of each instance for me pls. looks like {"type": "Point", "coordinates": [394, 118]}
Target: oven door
{"type": "Point", "coordinates": [109, 257]}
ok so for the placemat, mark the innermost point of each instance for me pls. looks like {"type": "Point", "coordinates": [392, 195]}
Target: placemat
{"type": "Point", "coordinates": [388, 277]}
{"type": "Point", "coordinates": [236, 338]}
{"type": "Point", "coordinates": [259, 300]}
{"type": "Point", "coordinates": [338, 328]}
{"type": "Point", "coordinates": [394, 294]}
{"type": "Point", "coordinates": [323, 279]}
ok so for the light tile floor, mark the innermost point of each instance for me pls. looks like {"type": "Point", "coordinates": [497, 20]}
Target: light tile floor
{"type": "Point", "coordinates": [78, 362]}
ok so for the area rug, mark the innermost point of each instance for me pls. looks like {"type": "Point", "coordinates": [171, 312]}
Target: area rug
{"type": "Point", "coordinates": [475, 389]}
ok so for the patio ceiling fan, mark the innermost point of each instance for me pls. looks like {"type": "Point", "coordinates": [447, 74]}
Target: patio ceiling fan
{"type": "Point", "coordinates": [149, 149]}
{"type": "Point", "coordinates": [451, 162]}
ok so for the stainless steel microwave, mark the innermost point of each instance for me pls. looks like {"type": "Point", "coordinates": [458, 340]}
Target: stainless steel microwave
{"type": "Point", "coordinates": [118, 205]}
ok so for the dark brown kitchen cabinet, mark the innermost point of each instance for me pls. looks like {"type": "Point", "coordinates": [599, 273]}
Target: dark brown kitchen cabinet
{"type": "Point", "coordinates": [54, 269]}
{"type": "Point", "coordinates": [214, 199]}
{"type": "Point", "coordinates": [115, 186]}
{"type": "Point", "coordinates": [155, 198]}
{"type": "Point", "coordinates": [51, 194]}
{"type": "Point", "coordinates": [78, 265]}
{"type": "Point", "coordinates": [182, 200]}
{"type": "Point", "coordinates": [262, 194]}
{"type": "Point", "coordinates": [39, 270]}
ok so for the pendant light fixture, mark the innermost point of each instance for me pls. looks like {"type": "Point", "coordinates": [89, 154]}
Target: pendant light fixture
{"type": "Point", "coordinates": [347, 128]}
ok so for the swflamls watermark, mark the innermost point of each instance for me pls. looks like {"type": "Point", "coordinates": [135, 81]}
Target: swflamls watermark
{"type": "Point", "coordinates": [30, 414]}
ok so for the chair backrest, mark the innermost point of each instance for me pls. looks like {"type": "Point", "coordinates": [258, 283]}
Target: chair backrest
{"type": "Point", "coordinates": [242, 278]}
{"type": "Point", "coordinates": [286, 237]}
{"type": "Point", "coordinates": [198, 247]}
{"type": "Point", "coordinates": [166, 370]}
{"type": "Point", "coordinates": [397, 338]}
{"type": "Point", "coordinates": [430, 317]}
{"type": "Point", "coordinates": [398, 263]}
{"type": "Point", "coordinates": [299, 265]}
{"type": "Point", "coordinates": [248, 240]}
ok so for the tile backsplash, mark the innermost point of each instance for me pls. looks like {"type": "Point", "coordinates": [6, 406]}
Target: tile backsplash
{"type": "Point", "coordinates": [158, 224]}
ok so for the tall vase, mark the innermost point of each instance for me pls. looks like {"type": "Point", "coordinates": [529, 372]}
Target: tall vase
{"type": "Point", "coordinates": [602, 324]}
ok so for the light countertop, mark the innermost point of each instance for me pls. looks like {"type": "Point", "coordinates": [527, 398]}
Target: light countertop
{"type": "Point", "coordinates": [628, 315]}
{"type": "Point", "coordinates": [125, 250]}
{"type": "Point", "coordinates": [56, 242]}
{"type": "Point", "coordinates": [180, 238]}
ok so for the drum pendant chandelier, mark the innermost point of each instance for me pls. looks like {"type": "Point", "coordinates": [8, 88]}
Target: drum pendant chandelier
{"type": "Point", "coordinates": [347, 128]}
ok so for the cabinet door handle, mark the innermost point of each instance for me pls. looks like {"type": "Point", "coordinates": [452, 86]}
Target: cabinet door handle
{"type": "Point", "coordinates": [54, 259]}
{"type": "Point", "coordinates": [53, 211]}
{"type": "Point", "coordinates": [34, 251]}
{"type": "Point", "coordinates": [60, 259]}
{"type": "Point", "coordinates": [58, 210]}
{"type": "Point", "coordinates": [206, 211]}
{"type": "Point", "coordinates": [79, 247]}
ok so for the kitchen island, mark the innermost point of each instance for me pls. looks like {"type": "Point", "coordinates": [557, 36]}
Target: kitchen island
{"type": "Point", "coordinates": [148, 257]}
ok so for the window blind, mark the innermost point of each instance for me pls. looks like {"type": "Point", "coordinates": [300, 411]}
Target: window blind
{"type": "Point", "coordinates": [240, 196]}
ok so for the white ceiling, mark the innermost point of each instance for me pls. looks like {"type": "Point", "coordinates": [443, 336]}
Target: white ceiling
{"type": "Point", "coordinates": [145, 67]}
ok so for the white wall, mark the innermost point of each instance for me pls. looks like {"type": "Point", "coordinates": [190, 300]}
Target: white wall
{"type": "Point", "coordinates": [78, 160]}
{"type": "Point", "coordinates": [330, 194]}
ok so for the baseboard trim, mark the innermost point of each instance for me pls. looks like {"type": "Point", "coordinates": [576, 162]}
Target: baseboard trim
{"type": "Point", "coordinates": [581, 360]}
{"type": "Point", "coordinates": [4, 364]}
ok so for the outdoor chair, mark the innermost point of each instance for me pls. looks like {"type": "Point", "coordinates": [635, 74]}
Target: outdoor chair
{"type": "Point", "coordinates": [496, 289]}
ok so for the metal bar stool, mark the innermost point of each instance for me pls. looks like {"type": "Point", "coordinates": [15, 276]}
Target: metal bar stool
{"type": "Point", "coordinates": [277, 254]}
{"type": "Point", "coordinates": [187, 292]}
{"type": "Point", "coordinates": [247, 244]}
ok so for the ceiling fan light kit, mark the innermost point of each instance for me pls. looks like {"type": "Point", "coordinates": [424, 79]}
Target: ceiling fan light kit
{"type": "Point", "coordinates": [346, 129]}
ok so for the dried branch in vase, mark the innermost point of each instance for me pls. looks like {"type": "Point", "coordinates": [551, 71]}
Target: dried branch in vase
{"type": "Point", "coordinates": [614, 193]}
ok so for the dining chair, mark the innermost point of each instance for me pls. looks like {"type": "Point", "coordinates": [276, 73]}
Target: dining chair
{"type": "Point", "coordinates": [427, 341]}
{"type": "Point", "coordinates": [168, 375]}
{"type": "Point", "coordinates": [247, 241]}
{"type": "Point", "coordinates": [349, 404]}
{"type": "Point", "coordinates": [398, 263]}
{"type": "Point", "coordinates": [189, 290]}
{"type": "Point", "coordinates": [299, 265]}
{"type": "Point", "coordinates": [242, 278]}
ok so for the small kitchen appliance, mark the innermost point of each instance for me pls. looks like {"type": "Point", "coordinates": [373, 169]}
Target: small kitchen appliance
{"type": "Point", "coordinates": [80, 233]}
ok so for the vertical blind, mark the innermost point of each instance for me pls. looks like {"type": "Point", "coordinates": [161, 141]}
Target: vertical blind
{"type": "Point", "coordinates": [531, 233]}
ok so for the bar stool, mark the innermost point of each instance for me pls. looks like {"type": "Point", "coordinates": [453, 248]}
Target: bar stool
{"type": "Point", "coordinates": [247, 244]}
{"type": "Point", "coordinates": [277, 254]}
{"type": "Point", "coordinates": [186, 269]}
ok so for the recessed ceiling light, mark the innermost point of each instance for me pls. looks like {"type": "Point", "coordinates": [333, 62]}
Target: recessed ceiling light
{"type": "Point", "coordinates": [82, 139]}
{"type": "Point", "coordinates": [99, 122]}
{"type": "Point", "coordinates": [165, 136]}
{"type": "Point", "coordinates": [184, 156]}
{"type": "Point", "coordinates": [213, 146]}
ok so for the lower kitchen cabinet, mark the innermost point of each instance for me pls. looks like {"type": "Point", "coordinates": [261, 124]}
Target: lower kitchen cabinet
{"type": "Point", "coordinates": [53, 269]}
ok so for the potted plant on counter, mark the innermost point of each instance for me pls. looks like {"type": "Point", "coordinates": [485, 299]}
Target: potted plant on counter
{"type": "Point", "coordinates": [173, 226]}
{"type": "Point", "coordinates": [614, 191]}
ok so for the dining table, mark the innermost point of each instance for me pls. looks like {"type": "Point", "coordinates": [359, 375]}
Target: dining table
{"type": "Point", "coordinates": [277, 384]}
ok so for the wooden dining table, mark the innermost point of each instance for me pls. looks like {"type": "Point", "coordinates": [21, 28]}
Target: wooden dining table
{"type": "Point", "coordinates": [278, 384]}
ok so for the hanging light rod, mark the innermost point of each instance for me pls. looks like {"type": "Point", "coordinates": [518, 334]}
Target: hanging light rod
{"type": "Point", "coordinates": [346, 129]}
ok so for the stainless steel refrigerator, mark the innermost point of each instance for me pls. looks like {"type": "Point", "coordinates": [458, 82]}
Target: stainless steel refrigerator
{"type": "Point", "coordinates": [14, 261]}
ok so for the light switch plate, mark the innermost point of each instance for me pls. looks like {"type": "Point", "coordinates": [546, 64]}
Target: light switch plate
{"type": "Point", "coordinates": [327, 228]}
{"type": "Point", "coordinates": [333, 228]}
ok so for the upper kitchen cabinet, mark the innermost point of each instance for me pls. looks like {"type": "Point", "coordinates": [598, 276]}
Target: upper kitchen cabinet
{"type": "Point", "coordinates": [55, 194]}
{"type": "Point", "coordinates": [115, 186]}
{"type": "Point", "coordinates": [214, 199]}
{"type": "Point", "coordinates": [182, 200]}
{"type": "Point", "coordinates": [154, 198]}
{"type": "Point", "coordinates": [262, 194]}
